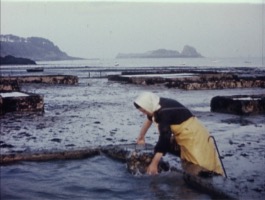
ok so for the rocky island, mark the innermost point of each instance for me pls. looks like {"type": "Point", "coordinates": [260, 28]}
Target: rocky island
{"type": "Point", "coordinates": [187, 52]}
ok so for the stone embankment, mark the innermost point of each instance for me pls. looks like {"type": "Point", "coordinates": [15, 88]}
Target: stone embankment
{"type": "Point", "coordinates": [192, 80]}
{"type": "Point", "coordinates": [195, 79]}
{"type": "Point", "coordinates": [221, 81]}
{"type": "Point", "coordinates": [12, 99]}
{"type": "Point", "coordinates": [50, 79]}
{"type": "Point", "coordinates": [136, 161]}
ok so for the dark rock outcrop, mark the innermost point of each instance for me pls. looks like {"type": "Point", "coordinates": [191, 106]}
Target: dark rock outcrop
{"type": "Point", "coordinates": [190, 52]}
{"type": "Point", "coordinates": [11, 60]}
{"type": "Point", "coordinates": [35, 48]}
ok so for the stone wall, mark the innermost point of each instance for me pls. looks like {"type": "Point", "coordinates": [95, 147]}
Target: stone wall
{"type": "Point", "coordinates": [198, 81]}
{"type": "Point", "coordinates": [51, 79]}
{"type": "Point", "coordinates": [239, 104]}
{"type": "Point", "coordinates": [32, 102]}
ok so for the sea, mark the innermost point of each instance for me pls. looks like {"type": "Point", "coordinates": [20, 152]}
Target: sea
{"type": "Point", "coordinates": [99, 177]}
{"type": "Point", "coordinates": [94, 178]}
{"type": "Point", "coordinates": [114, 65]}
{"type": "Point", "coordinates": [162, 62]}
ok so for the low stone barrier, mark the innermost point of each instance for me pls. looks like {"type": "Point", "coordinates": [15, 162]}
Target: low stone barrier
{"type": "Point", "coordinates": [49, 79]}
{"type": "Point", "coordinates": [239, 104]}
{"type": "Point", "coordinates": [48, 156]}
{"type": "Point", "coordinates": [21, 102]}
{"type": "Point", "coordinates": [27, 101]}
{"type": "Point", "coordinates": [137, 159]}
{"type": "Point", "coordinates": [195, 81]}
{"type": "Point", "coordinates": [216, 84]}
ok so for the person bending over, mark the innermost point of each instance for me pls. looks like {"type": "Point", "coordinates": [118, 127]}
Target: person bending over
{"type": "Point", "coordinates": [174, 119]}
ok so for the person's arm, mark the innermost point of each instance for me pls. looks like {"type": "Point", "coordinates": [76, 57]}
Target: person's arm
{"type": "Point", "coordinates": [153, 167]}
{"type": "Point", "coordinates": [163, 143]}
{"type": "Point", "coordinates": [162, 146]}
{"type": "Point", "coordinates": [143, 131]}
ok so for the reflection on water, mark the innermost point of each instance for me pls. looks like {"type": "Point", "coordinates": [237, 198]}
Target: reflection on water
{"type": "Point", "coordinates": [94, 178]}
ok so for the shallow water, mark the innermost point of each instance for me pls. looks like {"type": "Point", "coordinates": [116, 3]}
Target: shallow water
{"type": "Point", "coordinates": [100, 112]}
{"type": "Point", "coordinates": [94, 178]}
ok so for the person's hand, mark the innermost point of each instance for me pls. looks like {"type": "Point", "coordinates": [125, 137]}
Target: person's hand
{"type": "Point", "coordinates": [152, 169]}
{"type": "Point", "coordinates": [140, 141]}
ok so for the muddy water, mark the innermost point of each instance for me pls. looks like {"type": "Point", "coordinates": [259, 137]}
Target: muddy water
{"type": "Point", "coordinates": [93, 178]}
{"type": "Point", "coordinates": [99, 112]}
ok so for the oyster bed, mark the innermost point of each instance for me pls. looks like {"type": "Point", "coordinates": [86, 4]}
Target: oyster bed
{"type": "Point", "coordinates": [100, 112]}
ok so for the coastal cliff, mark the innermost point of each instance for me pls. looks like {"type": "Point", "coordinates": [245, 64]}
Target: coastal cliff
{"type": "Point", "coordinates": [34, 48]}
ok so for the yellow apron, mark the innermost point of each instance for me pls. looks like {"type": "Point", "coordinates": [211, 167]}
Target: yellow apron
{"type": "Point", "coordinates": [195, 145]}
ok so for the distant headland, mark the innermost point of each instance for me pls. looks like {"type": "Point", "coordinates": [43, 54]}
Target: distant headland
{"type": "Point", "coordinates": [33, 48]}
{"type": "Point", "coordinates": [187, 52]}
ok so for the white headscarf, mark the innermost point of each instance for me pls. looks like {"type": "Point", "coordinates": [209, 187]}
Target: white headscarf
{"type": "Point", "coordinates": [148, 101]}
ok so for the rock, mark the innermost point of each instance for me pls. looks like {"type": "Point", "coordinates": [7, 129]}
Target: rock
{"type": "Point", "coordinates": [187, 51]}
{"type": "Point", "coordinates": [137, 162]}
{"type": "Point", "coordinates": [56, 140]}
{"type": "Point", "coordinates": [4, 145]}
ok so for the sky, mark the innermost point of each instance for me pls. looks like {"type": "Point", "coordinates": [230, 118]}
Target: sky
{"type": "Point", "coordinates": [93, 29]}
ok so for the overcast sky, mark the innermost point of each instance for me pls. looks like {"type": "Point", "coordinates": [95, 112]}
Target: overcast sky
{"type": "Point", "coordinates": [94, 29]}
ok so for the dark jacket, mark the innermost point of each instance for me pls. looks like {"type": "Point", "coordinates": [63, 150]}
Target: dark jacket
{"type": "Point", "coordinates": [171, 113]}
